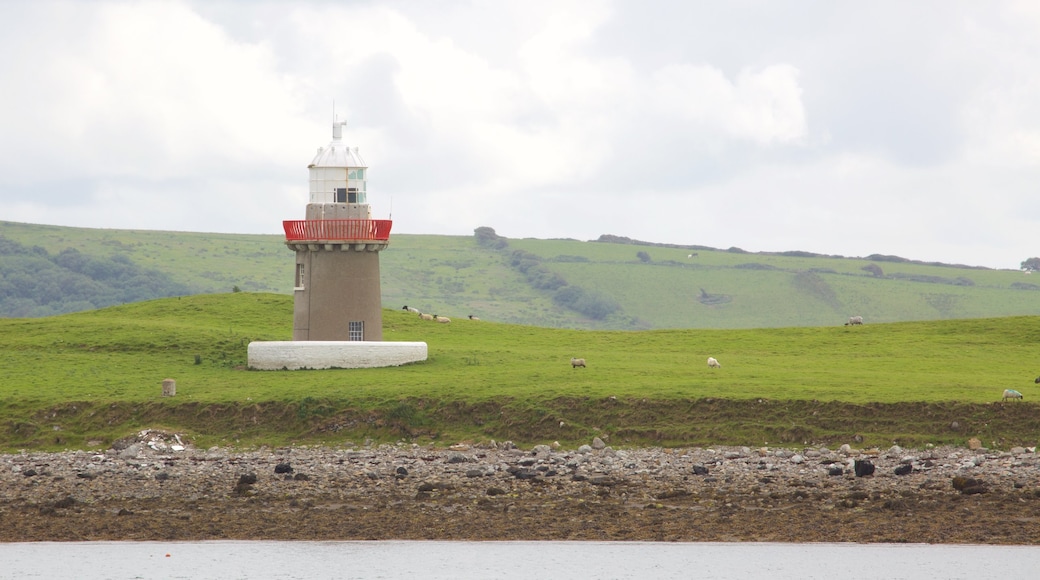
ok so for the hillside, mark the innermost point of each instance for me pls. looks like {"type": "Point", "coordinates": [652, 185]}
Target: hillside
{"type": "Point", "coordinates": [610, 284]}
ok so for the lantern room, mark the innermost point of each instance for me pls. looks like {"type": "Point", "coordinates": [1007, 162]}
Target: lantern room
{"type": "Point", "coordinates": [338, 180]}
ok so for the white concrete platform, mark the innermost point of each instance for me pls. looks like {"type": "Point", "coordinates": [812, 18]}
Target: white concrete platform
{"type": "Point", "coordinates": [327, 354]}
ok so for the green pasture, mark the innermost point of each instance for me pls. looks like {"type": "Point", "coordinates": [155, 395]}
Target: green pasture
{"type": "Point", "coordinates": [96, 376]}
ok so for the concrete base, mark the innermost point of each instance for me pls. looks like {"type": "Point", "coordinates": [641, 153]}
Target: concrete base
{"type": "Point", "coordinates": [322, 354]}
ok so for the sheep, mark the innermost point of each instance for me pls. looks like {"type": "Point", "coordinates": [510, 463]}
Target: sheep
{"type": "Point", "coordinates": [425, 316]}
{"type": "Point", "coordinates": [1011, 394]}
{"type": "Point", "coordinates": [577, 362]}
{"type": "Point", "coordinates": [442, 319]}
{"type": "Point", "coordinates": [471, 317]}
{"type": "Point", "coordinates": [1037, 380]}
{"type": "Point", "coordinates": [411, 309]}
{"type": "Point", "coordinates": [713, 364]}
{"type": "Point", "coordinates": [854, 320]}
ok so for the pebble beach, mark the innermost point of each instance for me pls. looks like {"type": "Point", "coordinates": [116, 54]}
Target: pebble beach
{"type": "Point", "coordinates": [155, 486]}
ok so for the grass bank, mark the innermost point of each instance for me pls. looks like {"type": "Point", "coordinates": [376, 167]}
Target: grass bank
{"type": "Point", "coordinates": [84, 380]}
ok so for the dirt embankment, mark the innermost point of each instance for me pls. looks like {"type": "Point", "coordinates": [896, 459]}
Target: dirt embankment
{"type": "Point", "coordinates": [156, 489]}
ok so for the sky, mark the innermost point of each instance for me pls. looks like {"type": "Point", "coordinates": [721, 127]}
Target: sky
{"type": "Point", "coordinates": [836, 127]}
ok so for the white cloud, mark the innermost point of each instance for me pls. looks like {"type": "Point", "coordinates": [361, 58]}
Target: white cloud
{"type": "Point", "coordinates": [753, 126]}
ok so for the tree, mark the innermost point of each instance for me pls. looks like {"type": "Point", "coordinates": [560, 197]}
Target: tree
{"type": "Point", "coordinates": [643, 257]}
{"type": "Point", "coordinates": [1031, 265]}
{"type": "Point", "coordinates": [487, 238]}
{"type": "Point", "coordinates": [873, 269]}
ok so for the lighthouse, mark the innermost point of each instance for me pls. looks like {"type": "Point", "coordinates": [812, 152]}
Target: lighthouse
{"type": "Point", "coordinates": [336, 291]}
{"type": "Point", "coordinates": [337, 311]}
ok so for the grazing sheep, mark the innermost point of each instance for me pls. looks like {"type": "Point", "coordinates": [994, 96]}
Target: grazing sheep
{"type": "Point", "coordinates": [1037, 380]}
{"type": "Point", "coordinates": [410, 309]}
{"type": "Point", "coordinates": [471, 317]}
{"type": "Point", "coordinates": [577, 362]}
{"type": "Point", "coordinates": [425, 316]}
{"type": "Point", "coordinates": [854, 320]}
{"type": "Point", "coordinates": [441, 319]}
{"type": "Point", "coordinates": [713, 364]}
{"type": "Point", "coordinates": [1011, 394]}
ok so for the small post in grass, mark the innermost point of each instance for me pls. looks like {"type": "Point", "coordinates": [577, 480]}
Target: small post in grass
{"type": "Point", "coordinates": [169, 387]}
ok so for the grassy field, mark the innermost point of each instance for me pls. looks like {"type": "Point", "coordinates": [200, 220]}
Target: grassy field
{"type": "Point", "coordinates": [83, 380]}
{"type": "Point", "coordinates": [455, 276]}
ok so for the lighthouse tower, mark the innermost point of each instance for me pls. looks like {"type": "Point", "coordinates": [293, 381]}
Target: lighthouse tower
{"type": "Point", "coordinates": [336, 290]}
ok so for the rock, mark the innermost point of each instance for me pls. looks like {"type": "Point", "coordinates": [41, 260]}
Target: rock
{"type": "Point", "coordinates": [283, 468]}
{"type": "Point", "coordinates": [864, 467]}
{"type": "Point", "coordinates": [434, 486]}
{"type": "Point", "coordinates": [904, 469]}
{"type": "Point", "coordinates": [130, 452]}
{"type": "Point", "coordinates": [974, 443]}
{"type": "Point", "coordinates": [969, 485]}
{"type": "Point", "coordinates": [1017, 450]}
{"type": "Point", "coordinates": [247, 479]}
{"type": "Point", "coordinates": [796, 459]}
{"type": "Point", "coordinates": [598, 443]}
{"type": "Point", "coordinates": [585, 449]}
{"type": "Point", "coordinates": [700, 470]}
{"type": "Point", "coordinates": [835, 471]}
{"type": "Point", "coordinates": [456, 457]}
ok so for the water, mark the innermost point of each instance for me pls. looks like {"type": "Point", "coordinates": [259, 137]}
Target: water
{"type": "Point", "coordinates": [512, 560]}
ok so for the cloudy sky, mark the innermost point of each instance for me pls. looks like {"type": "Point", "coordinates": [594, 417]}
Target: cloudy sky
{"type": "Point", "coordinates": [906, 128]}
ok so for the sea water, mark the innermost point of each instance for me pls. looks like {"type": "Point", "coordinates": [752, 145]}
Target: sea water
{"type": "Point", "coordinates": [512, 560]}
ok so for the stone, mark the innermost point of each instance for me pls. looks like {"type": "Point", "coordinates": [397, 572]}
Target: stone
{"type": "Point", "coordinates": [863, 468]}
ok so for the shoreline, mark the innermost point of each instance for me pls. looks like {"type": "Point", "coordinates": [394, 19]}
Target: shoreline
{"type": "Point", "coordinates": [153, 487]}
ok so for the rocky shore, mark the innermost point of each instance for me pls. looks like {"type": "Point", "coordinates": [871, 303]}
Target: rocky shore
{"type": "Point", "coordinates": [156, 487]}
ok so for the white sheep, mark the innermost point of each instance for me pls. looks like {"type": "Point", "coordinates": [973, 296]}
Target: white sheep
{"type": "Point", "coordinates": [854, 320]}
{"type": "Point", "coordinates": [713, 364]}
{"type": "Point", "coordinates": [577, 362]}
{"type": "Point", "coordinates": [411, 309]}
{"type": "Point", "coordinates": [471, 317]}
{"type": "Point", "coordinates": [442, 319]}
{"type": "Point", "coordinates": [1011, 394]}
{"type": "Point", "coordinates": [425, 316]}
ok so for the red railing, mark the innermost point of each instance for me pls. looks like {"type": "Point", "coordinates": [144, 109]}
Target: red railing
{"type": "Point", "coordinates": [336, 230]}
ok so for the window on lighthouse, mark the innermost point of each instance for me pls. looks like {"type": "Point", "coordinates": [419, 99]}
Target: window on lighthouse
{"type": "Point", "coordinates": [299, 276]}
{"type": "Point", "coordinates": [356, 330]}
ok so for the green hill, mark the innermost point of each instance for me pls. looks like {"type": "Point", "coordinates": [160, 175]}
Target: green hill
{"type": "Point", "coordinates": [611, 284]}
{"type": "Point", "coordinates": [84, 380]}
